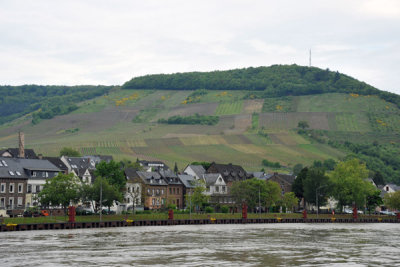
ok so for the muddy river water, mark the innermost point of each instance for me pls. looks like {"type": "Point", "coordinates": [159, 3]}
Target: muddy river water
{"type": "Point", "coordinates": [207, 245]}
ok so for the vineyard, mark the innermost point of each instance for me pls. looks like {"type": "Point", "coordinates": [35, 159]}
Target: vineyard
{"type": "Point", "coordinates": [123, 124]}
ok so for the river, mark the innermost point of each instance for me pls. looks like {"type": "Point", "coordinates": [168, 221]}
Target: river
{"type": "Point", "coordinates": [207, 245]}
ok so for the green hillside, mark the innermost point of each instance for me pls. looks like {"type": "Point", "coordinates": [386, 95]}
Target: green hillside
{"type": "Point", "coordinates": [251, 126]}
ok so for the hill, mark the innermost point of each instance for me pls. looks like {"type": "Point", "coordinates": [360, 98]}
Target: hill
{"type": "Point", "coordinates": [249, 127]}
{"type": "Point", "coordinates": [273, 81]}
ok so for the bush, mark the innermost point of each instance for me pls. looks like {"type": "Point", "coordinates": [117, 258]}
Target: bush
{"type": "Point", "coordinates": [209, 210]}
{"type": "Point", "coordinates": [224, 209]}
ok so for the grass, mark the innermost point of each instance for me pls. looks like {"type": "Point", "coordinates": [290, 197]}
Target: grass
{"type": "Point", "coordinates": [229, 108]}
{"type": "Point", "coordinates": [164, 216]}
{"type": "Point", "coordinates": [281, 104]}
{"type": "Point", "coordinates": [255, 118]}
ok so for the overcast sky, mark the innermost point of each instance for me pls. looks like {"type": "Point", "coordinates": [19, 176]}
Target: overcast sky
{"type": "Point", "coordinates": [109, 42]}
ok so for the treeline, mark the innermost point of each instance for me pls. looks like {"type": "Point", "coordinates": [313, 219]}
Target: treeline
{"type": "Point", "coordinates": [193, 119]}
{"type": "Point", "coordinates": [379, 158]}
{"type": "Point", "coordinates": [262, 82]}
{"type": "Point", "coordinates": [45, 101]}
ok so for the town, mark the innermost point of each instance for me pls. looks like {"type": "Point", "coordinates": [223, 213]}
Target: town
{"type": "Point", "coordinates": [152, 185]}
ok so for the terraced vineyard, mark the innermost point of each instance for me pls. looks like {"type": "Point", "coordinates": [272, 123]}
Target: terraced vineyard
{"type": "Point", "coordinates": [123, 124]}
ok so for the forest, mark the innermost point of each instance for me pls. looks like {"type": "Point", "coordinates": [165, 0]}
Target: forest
{"type": "Point", "coordinates": [45, 101]}
{"type": "Point", "coordinates": [262, 82]}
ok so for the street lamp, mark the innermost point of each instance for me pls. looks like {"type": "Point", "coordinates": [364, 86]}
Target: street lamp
{"type": "Point", "coordinates": [316, 196]}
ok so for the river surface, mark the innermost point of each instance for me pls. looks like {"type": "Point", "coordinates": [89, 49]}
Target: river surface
{"type": "Point", "coordinates": [207, 245]}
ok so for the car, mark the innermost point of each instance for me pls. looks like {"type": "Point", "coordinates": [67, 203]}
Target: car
{"type": "Point", "coordinates": [348, 211]}
{"type": "Point", "coordinates": [386, 212]}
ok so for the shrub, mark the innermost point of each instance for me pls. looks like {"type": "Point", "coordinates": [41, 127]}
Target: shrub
{"type": "Point", "coordinates": [209, 210]}
{"type": "Point", "coordinates": [224, 209]}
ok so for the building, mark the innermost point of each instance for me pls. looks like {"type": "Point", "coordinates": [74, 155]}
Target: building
{"type": "Point", "coordinates": [38, 171]}
{"type": "Point", "coordinates": [13, 186]}
{"type": "Point", "coordinates": [285, 181]}
{"type": "Point", "coordinates": [175, 188]}
{"type": "Point", "coordinates": [229, 172]}
{"type": "Point", "coordinates": [134, 193]}
{"type": "Point", "coordinates": [82, 167]}
{"type": "Point", "coordinates": [216, 188]}
{"type": "Point", "coordinates": [189, 183]}
{"type": "Point", "coordinates": [196, 171]}
{"type": "Point", "coordinates": [154, 190]}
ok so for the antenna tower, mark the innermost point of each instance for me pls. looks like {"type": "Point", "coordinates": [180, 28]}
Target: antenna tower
{"type": "Point", "coordinates": [309, 61]}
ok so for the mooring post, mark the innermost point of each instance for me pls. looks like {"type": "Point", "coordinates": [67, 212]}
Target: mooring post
{"type": "Point", "coordinates": [355, 213]}
{"type": "Point", "coordinates": [304, 214]}
{"type": "Point", "coordinates": [71, 214]}
{"type": "Point", "coordinates": [170, 214]}
{"type": "Point", "coordinates": [244, 211]}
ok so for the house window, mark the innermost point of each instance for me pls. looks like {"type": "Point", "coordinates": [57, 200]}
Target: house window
{"type": "Point", "coordinates": [19, 203]}
{"type": "Point", "coordinates": [148, 191]}
{"type": "Point", "coordinates": [153, 192]}
{"type": "Point", "coordinates": [11, 202]}
{"type": "Point", "coordinates": [170, 191]}
{"type": "Point", "coordinates": [158, 191]}
{"type": "Point", "coordinates": [174, 190]}
{"type": "Point", "coordinates": [2, 202]}
{"type": "Point", "coordinates": [177, 191]}
{"type": "Point", "coordinates": [223, 189]}
{"type": "Point", "coordinates": [37, 188]}
{"type": "Point", "coordinates": [217, 189]}
{"type": "Point", "coordinates": [11, 188]}
{"type": "Point", "coordinates": [387, 188]}
{"type": "Point", "coordinates": [3, 188]}
{"type": "Point", "coordinates": [33, 174]}
{"type": "Point", "coordinates": [29, 188]}
{"type": "Point", "coordinates": [162, 191]}
{"type": "Point", "coordinates": [20, 188]}
{"type": "Point", "coordinates": [153, 201]}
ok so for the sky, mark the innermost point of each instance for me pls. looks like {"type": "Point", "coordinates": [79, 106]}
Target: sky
{"type": "Point", "coordinates": [54, 42]}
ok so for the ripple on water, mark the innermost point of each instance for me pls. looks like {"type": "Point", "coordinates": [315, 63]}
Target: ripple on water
{"type": "Point", "coordinates": [206, 245]}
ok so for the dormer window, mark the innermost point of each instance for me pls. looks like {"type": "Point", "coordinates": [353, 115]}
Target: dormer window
{"type": "Point", "coordinates": [11, 173]}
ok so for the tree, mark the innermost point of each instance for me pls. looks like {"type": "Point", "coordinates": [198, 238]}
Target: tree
{"type": "Point", "coordinates": [252, 191]}
{"type": "Point", "coordinates": [297, 186]}
{"type": "Point", "coordinates": [316, 185]}
{"type": "Point", "coordinates": [392, 200]}
{"type": "Point", "coordinates": [176, 170]}
{"type": "Point", "coordinates": [125, 163]}
{"type": "Point", "coordinates": [378, 179]}
{"type": "Point", "coordinates": [290, 200]}
{"type": "Point", "coordinates": [303, 125]}
{"type": "Point", "coordinates": [60, 190]}
{"type": "Point", "coordinates": [349, 184]}
{"type": "Point", "coordinates": [112, 173]}
{"type": "Point", "coordinates": [109, 193]}
{"type": "Point", "coordinates": [197, 198]}
{"type": "Point", "coordinates": [329, 164]}
{"type": "Point", "coordinates": [274, 193]}
{"type": "Point", "coordinates": [69, 152]}
{"type": "Point", "coordinates": [373, 200]}
{"type": "Point", "coordinates": [297, 168]}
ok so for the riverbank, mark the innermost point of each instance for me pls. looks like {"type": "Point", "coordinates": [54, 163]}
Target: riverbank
{"type": "Point", "coordinates": [18, 224]}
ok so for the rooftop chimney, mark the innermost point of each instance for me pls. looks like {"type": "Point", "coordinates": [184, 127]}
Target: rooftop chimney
{"type": "Point", "coordinates": [21, 153]}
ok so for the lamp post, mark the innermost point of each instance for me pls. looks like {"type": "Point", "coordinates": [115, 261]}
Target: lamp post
{"type": "Point", "coordinates": [316, 196]}
{"type": "Point", "coordinates": [259, 204]}
{"type": "Point", "coordinates": [190, 205]}
{"type": "Point", "coordinates": [101, 197]}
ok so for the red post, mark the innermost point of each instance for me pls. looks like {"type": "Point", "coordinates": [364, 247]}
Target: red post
{"type": "Point", "coordinates": [71, 214]}
{"type": "Point", "coordinates": [355, 214]}
{"type": "Point", "coordinates": [170, 214]}
{"type": "Point", "coordinates": [304, 214]}
{"type": "Point", "coordinates": [244, 211]}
